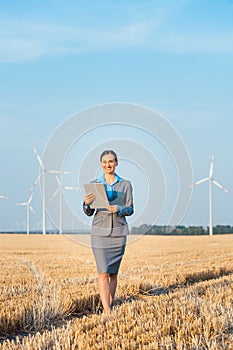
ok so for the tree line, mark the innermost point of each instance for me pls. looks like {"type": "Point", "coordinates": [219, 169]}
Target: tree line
{"type": "Point", "coordinates": [180, 230]}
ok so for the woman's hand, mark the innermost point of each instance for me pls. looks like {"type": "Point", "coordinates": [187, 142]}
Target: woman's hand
{"type": "Point", "coordinates": [113, 208]}
{"type": "Point", "coordinates": [89, 198]}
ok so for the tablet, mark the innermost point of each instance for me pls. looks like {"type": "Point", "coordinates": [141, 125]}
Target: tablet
{"type": "Point", "coordinates": [101, 200]}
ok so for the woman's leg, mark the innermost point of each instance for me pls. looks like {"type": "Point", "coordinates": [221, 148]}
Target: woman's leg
{"type": "Point", "coordinates": [112, 287]}
{"type": "Point", "coordinates": [104, 289]}
{"type": "Point", "coordinates": [107, 289]}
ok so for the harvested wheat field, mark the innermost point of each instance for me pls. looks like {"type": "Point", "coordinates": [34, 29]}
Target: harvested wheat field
{"type": "Point", "coordinates": [173, 293]}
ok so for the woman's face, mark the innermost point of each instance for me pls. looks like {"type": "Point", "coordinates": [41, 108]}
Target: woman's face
{"type": "Point", "coordinates": [109, 163]}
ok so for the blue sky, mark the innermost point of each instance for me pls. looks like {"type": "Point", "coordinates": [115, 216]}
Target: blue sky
{"type": "Point", "coordinates": [59, 57]}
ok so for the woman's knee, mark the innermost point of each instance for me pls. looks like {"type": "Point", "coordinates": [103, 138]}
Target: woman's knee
{"type": "Point", "coordinates": [104, 276]}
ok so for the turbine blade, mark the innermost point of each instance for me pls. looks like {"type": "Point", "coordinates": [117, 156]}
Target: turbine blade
{"type": "Point", "coordinates": [200, 181]}
{"type": "Point", "coordinates": [54, 194]}
{"type": "Point", "coordinates": [35, 183]}
{"type": "Point", "coordinates": [52, 171]}
{"type": "Point", "coordinates": [19, 204]}
{"type": "Point", "coordinates": [58, 181]}
{"type": "Point", "coordinates": [4, 197]}
{"type": "Point", "coordinates": [71, 188]}
{"type": "Point", "coordinates": [211, 166]}
{"type": "Point", "coordinates": [38, 158]}
{"type": "Point", "coordinates": [220, 186]}
{"type": "Point", "coordinates": [32, 210]}
{"type": "Point", "coordinates": [30, 199]}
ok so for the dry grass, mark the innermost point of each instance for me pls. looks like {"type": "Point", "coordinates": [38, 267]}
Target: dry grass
{"type": "Point", "coordinates": [173, 293]}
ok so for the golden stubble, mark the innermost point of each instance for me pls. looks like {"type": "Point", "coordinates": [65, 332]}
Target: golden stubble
{"type": "Point", "coordinates": [173, 293]}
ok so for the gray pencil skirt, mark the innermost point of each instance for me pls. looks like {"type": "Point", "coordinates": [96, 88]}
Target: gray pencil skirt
{"type": "Point", "coordinates": [108, 252]}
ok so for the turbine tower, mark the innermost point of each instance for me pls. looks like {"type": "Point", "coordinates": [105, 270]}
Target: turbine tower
{"type": "Point", "coordinates": [211, 181]}
{"type": "Point", "coordinates": [42, 175]}
{"type": "Point", "coordinates": [59, 190]}
{"type": "Point", "coordinates": [29, 207]}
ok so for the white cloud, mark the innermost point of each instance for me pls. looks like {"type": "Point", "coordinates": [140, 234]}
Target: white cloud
{"type": "Point", "coordinates": [32, 40]}
{"type": "Point", "coordinates": [22, 41]}
{"type": "Point", "coordinates": [188, 43]}
{"type": "Point", "coordinates": [20, 49]}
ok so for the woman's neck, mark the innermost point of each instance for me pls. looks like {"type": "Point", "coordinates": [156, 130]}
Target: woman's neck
{"type": "Point", "coordinates": [109, 178]}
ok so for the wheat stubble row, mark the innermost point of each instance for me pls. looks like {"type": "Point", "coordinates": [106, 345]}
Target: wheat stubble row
{"type": "Point", "coordinates": [174, 293]}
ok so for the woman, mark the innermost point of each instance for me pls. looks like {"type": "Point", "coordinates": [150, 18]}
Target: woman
{"type": "Point", "coordinates": [109, 227]}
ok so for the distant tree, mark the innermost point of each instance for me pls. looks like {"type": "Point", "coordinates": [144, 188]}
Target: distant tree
{"type": "Point", "coordinates": [180, 230]}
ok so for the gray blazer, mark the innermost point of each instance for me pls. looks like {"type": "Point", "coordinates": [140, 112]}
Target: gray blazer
{"type": "Point", "coordinates": [105, 223]}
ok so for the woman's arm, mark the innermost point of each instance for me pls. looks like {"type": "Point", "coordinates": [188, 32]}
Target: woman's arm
{"type": "Point", "coordinates": [87, 210]}
{"type": "Point", "coordinates": [128, 208]}
{"type": "Point", "coordinates": [88, 199]}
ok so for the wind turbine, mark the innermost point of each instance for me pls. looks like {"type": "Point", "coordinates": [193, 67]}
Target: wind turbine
{"type": "Point", "coordinates": [42, 174]}
{"type": "Point", "coordinates": [211, 181]}
{"type": "Point", "coordinates": [59, 190]}
{"type": "Point", "coordinates": [29, 207]}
